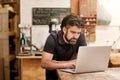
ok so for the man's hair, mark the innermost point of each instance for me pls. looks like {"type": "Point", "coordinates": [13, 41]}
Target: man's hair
{"type": "Point", "coordinates": [72, 20]}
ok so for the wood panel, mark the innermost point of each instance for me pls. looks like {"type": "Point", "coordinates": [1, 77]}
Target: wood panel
{"type": "Point", "coordinates": [1, 62]}
{"type": "Point", "coordinates": [31, 70]}
{"type": "Point", "coordinates": [4, 47]}
{"type": "Point", "coordinates": [75, 6]}
{"type": "Point", "coordinates": [87, 9]}
{"type": "Point", "coordinates": [88, 12]}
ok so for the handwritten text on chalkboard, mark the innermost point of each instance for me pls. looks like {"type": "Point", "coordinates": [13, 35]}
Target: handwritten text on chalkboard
{"type": "Point", "coordinates": [42, 16]}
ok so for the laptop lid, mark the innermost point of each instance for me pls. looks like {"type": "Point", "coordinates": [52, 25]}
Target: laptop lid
{"type": "Point", "coordinates": [92, 58]}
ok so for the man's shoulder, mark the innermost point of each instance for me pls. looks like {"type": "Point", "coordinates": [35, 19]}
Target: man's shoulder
{"type": "Point", "coordinates": [55, 33]}
{"type": "Point", "coordinates": [81, 33]}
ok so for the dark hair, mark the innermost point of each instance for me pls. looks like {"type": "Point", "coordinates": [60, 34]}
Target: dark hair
{"type": "Point", "coordinates": [72, 20]}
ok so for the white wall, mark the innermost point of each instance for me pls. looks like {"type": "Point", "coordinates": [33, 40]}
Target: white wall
{"type": "Point", "coordinates": [113, 7]}
{"type": "Point", "coordinates": [107, 35]}
{"type": "Point", "coordinates": [40, 32]}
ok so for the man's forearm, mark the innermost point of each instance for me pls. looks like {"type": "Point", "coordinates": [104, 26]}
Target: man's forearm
{"type": "Point", "coordinates": [59, 64]}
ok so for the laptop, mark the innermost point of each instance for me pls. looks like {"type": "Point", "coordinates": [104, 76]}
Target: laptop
{"type": "Point", "coordinates": [91, 59]}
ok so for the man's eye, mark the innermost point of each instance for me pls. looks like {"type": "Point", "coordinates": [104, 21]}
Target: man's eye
{"type": "Point", "coordinates": [73, 32]}
{"type": "Point", "coordinates": [78, 33]}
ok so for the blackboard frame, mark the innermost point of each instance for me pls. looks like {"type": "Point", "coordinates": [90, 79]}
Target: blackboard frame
{"type": "Point", "coordinates": [42, 16]}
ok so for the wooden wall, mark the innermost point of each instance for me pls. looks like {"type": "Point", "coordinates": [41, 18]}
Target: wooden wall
{"type": "Point", "coordinates": [4, 47]}
{"type": "Point", "coordinates": [86, 9]}
{"type": "Point", "coordinates": [75, 6]}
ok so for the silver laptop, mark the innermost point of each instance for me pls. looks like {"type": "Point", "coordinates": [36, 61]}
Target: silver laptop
{"type": "Point", "coordinates": [91, 59]}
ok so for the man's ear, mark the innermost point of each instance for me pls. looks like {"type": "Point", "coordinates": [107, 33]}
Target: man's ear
{"type": "Point", "coordinates": [64, 30]}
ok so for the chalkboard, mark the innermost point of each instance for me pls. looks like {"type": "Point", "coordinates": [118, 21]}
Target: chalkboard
{"type": "Point", "coordinates": [42, 16]}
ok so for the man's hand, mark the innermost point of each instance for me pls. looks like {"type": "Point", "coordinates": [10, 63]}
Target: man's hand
{"type": "Point", "coordinates": [70, 64]}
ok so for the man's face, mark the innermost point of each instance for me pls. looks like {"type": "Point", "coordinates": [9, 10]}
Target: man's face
{"type": "Point", "coordinates": [71, 34]}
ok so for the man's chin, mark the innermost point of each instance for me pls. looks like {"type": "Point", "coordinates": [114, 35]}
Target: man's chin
{"type": "Point", "coordinates": [73, 42]}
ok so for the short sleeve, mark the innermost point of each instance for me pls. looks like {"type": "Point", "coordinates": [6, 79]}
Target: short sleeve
{"type": "Point", "coordinates": [50, 44]}
{"type": "Point", "coordinates": [82, 40]}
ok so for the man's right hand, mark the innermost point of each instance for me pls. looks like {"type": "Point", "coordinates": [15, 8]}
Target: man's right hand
{"type": "Point", "coordinates": [70, 64]}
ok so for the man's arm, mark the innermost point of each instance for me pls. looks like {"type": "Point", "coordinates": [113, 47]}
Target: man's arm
{"type": "Point", "coordinates": [50, 64]}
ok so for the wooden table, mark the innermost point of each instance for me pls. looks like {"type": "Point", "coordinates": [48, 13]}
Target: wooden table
{"type": "Point", "coordinates": [110, 74]}
{"type": "Point", "coordinates": [30, 68]}
{"type": "Point", "coordinates": [115, 60]}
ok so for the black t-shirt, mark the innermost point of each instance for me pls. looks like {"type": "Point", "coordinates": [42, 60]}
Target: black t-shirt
{"type": "Point", "coordinates": [61, 50]}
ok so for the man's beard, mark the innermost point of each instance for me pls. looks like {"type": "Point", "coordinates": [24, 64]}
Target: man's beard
{"type": "Point", "coordinates": [71, 40]}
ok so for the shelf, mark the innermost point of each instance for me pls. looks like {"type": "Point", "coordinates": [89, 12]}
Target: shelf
{"type": "Point", "coordinates": [8, 21]}
{"type": "Point", "coordinates": [11, 33]}
{"type": "Point", "coordinates": [89, 25]}
{"type": "Point", "coordinates": [11, 57]}
{"type": "Point", "coordinates": [8, 2]}
{"type": "Point", "coordinates": [12, 14]}
{"type": "Point", "coordinates": [89, 17]}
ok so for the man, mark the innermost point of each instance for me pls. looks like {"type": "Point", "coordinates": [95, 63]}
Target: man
{"type": "Point", "coordinates": [61, 47]}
